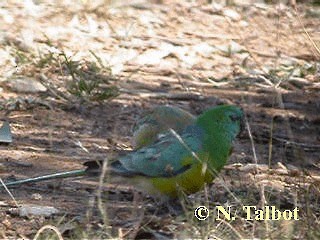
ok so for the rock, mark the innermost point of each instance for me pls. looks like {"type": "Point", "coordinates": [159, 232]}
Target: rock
{"type": "Point", "coordinates": [232, 14]}
{"type": "Point", "coordinates": [46, 211]}
{"type": "Point", "coordinates": [152, 57]}
{"type": "Point", "coordinates": [243, 23]}
{"type": "Point", "coordinates": [253, 168]}
{"type": "Point", "coordinates": [25, 85]}
{"type": "Point", "coordinates": [281, 171]}
{"type": "Point", "coordinates": [3, 204]}
{"type": "Point", "coordinates": [36, 196]}
{"type": "Point", "coordinates": [279, 165]}
{"type": "Point", "coordinates": [204, 49]}
{"type": "Point", "coordinates": [216, 6]}
{"type": "Point", "coordinates": [231, 48]}
{"type": "Point", "coordinates": [5, 133]}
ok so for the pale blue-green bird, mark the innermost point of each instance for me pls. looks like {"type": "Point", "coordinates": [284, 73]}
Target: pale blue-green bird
{"type": "Point", "coordinates": [175, 163]}
{"type": "Point", "coordinates": [181, 163]}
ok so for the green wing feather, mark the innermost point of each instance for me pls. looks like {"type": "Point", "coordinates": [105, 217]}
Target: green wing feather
{"type": "Point", "coordinates": [165, 158]}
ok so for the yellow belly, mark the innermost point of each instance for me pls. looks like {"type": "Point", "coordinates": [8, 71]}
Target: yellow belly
{"type": "Point", "coordinates": [188, 182]}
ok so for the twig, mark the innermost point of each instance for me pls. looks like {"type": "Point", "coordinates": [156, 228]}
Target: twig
{"type": "Point", "coordinates": [8, 191]}
{"type": "Point", "coordinates": [251, 140]}
{"type": "Point", "coordinates": [53, 228]}
{"type": "Point", "coordinates": [306, 32]}
{"type": "Point", "coordinates": [171, 96]}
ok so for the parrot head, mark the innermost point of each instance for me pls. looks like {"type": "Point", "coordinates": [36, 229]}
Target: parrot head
{"type": "Point", "coordinates": [222, 124]}
{"type": "Point", "coordinates": [227, 120]}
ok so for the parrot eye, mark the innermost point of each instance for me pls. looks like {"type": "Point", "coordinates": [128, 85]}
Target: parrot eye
{"type": "Point", "coordinates": [235, 117]}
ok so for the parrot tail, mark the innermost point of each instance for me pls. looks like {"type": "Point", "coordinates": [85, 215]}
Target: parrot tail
{"type": "Point", "coordinates": [94, 168]}
{"type": "Point", "coordinates": [73, 173]}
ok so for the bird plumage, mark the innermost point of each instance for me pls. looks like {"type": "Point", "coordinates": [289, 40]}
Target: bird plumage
{"type": "Point", "coordinates": [178, 160]}
{"type": "Point", "coordinates": [184, 162]}
{"type": "Point", "coordinates": [157, 121]}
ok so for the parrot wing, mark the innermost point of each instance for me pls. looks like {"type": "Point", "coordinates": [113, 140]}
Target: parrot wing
{"type": "Point", "coordinates": [165, 117]}
{"type": "Point", "coordinates": [158, 121]}
{"type": "Point", "coordinates": [167, 157]}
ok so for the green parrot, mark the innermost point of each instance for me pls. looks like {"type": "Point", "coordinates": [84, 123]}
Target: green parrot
{"type": "Point", "coordinates": [174, 163]}
{"type": "Point", "coordinates": [181, 163]}
{"type": "Point", "coordinates": [145, 131]}
{"type": "Point", "coordinates": [157, 121]}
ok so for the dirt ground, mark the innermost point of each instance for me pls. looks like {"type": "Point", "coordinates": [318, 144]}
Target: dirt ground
{"type": "Point", "coordinates": [262, 57]}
